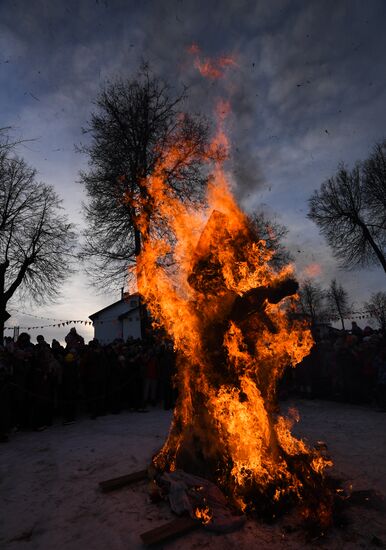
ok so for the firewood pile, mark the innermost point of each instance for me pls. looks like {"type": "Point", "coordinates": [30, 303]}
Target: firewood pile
{"type": "Point", "coordinates": [195, 501]}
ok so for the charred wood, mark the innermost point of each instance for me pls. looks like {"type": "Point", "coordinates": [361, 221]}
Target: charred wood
{"type": "Point", "coordinates": [169, 530]}
{"type": "Point", "coordinates": [122, 481]}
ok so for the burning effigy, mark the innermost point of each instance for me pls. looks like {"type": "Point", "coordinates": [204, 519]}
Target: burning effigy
{"type": "Point", "coordinates": [225, 307]}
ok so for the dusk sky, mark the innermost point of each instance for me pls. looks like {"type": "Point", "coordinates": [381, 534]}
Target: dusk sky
{"type": "Point", "coordinates": [307, 91]}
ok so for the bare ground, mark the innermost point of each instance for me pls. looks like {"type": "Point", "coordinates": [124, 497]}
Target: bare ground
{"type": "Point", "coordinates": [49, 497]}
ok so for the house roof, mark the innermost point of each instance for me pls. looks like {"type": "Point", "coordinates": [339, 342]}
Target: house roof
{"type": "Point", "coordinates": [122, 300]}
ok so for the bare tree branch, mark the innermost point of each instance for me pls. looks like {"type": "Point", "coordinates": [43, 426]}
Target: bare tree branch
{"type": "Point", "coordinates": [36, 239]}
{"type": "Point", "coordinates": [311, 301]}
{"type": "Point", "coordinates": [273, 233]}
{"type": "Point", "coordinates": [350, 210]}
{"type": "Point", "coordinates": [337, 299]}
{"type": "Point", "coordinates": [376, 306]}
{"type": "Point", "coordinates": [134, 124]}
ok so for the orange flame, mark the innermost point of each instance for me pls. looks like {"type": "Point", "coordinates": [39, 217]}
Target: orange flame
{"type": "Point", "coordinates": [204, 515]}
{"type": "Point", "coordinates": [211, 68]}
{"type": "Point", "coordinates": [313, 270]}
{"type": "Point", "coordinates": [230, 409]}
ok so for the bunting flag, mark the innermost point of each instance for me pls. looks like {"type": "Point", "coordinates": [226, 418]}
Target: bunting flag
{"type": "Point", "coordinates": [360, 315]}
{"type": "Point", "coordinates": [58, 325]}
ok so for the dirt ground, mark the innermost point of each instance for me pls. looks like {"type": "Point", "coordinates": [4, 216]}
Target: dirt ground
{"type": "Point", "coordinates": [49, 497]}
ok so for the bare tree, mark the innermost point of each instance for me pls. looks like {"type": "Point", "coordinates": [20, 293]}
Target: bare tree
{"type": "Point", "coordinates": [5, 143]}
{"type": "Point", "coordinates": [376, 306]}
{"type": "Point", "coordinates": [36, 239]}
{"type": "Point", "coordinates": [133, 126]}
{"type": "Point", "coordinates": [347, 209]}
{"type": "Point", "coordinates": [375, 187]}
{"type": "Point", "coordinates": [273, 233]}
{"type": "Point", "coordinates": [337, 299]}
{"type": "Point", "coordinates": [311, 301]}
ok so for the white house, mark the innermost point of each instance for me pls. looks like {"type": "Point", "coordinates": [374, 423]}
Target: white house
{"type": "Point", "coordinates": [118, 320]}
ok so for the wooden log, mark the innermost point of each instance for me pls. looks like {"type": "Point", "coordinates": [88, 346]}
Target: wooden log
{"type": "Point", "coordinates": [122, 481]}
{"type": "Point", "coordinates": [169, 530]}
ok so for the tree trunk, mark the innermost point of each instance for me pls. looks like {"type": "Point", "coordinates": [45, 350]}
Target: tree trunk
{"type": "Point", "coordinates": [3, 302]}
{"type": "Point", "coordinates": [3, 317]}
{"type": "Point", "coordinates": [341, 317]}
{"type": "Point", "coordinates": [369, 238]}
{"type": "Point", "coordinates": [143, 313]}
{"type": "Point", "coordinates": [137, 241]}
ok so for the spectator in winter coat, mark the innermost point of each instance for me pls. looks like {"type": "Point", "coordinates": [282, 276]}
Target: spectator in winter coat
{"type": "Point", "coordinates": [41, 343]}
{"type": "Point", "coordinates": [356, 330]}
{"type": "Point", "coordinates": [151, 378]}
{"type": "Point", "coordinates": [22, 365]}
{"type": "Point", "coordinates": [70, 386]}
{"type": "Point", "coordinates": [5, 395]}
{"type": "Point", "coordinates": [93, 370]}
{"type": "Point", "coordinates": [167, 371]}
{"type": "Point", "coordinates": [43, 372]}
{"type": "Point", "coordinates": [74, 340]}
{"type": "Point", "coordinates": [381, 385]}
{"type": "Point", "coordinates": [135, 379]}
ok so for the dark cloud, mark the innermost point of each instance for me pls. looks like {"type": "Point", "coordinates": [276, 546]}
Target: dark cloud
{"type": "Point", "coordinates": [308, 90]}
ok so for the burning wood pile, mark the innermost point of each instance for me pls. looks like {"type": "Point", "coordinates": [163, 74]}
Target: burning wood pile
{"type": "Point", "coordinates": [226, 309]}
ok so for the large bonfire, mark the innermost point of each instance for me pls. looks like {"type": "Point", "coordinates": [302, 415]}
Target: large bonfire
{"type": "Point", "coordinates": [226, 309]}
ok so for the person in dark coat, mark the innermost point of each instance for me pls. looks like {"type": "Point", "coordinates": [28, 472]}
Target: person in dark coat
{"type": "Point", "coordinates": [22, 365]}
{"type": "Point", "coordinates": [42, 396]}
{"type": "Point", "coordinates": [74, 340]}
{"type": "Point", "coordinates": [150, 367]}
{"type": "Point", "coordinates": [58, 353]}
{"type": "Point", "coordinates": [167, 370]}
{"type": "Point", "coordinates": [94, 379]}
{"type": "Point", "coordinates": [70, 386]}
{"type": "Point", "coordinates": [380, 363]}
{"type": "Point", "coordinates": [6, 392]}
{"type": "Point", "coordinates": [115, 362]}
{"type": "Point", "coordinates": [134, 377]}
{"type": "Point", "coordinates": [356, 330]}
{"type": "Point", "coordinates": [41, 343]}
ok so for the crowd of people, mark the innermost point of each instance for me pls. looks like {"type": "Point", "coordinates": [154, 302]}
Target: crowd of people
{"type": "Point", "coordinates": [347, 366]}
{"type": "Point", "coordinates": [40, 382]}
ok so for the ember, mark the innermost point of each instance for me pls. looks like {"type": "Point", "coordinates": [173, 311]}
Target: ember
{"type": "Point", "coordinates": [204, 515]}
{"type": "Point", "coordinates": [210, 68]}
{"type": "Point", "coordinates": [225, 308]}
